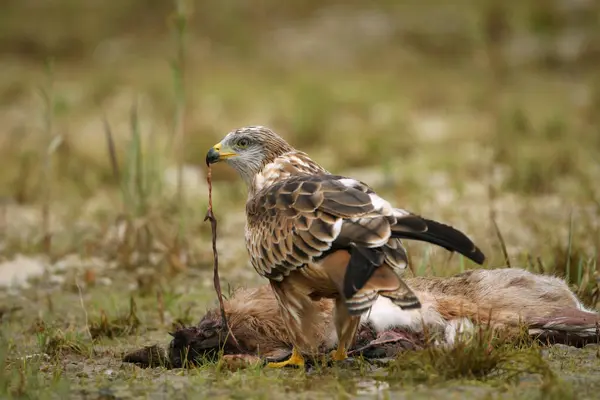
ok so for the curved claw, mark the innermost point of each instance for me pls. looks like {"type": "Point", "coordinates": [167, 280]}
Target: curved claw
{"type": "Point", "coordinates": [339, 354]}
{"type": "Point", "coordinates": [295, 360]}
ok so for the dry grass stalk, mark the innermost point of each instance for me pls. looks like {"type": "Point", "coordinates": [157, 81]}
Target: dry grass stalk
{"type": "Point", "coordinates": [112, 151]}
{"type": "Point", "coordinates": [501, 240]}
{"type": "Point", "coordinates": [48, 97]}
{"type": "Point", "coordinates": [179, 75]}
{"type": "Point", "coordinates": [161, 306]}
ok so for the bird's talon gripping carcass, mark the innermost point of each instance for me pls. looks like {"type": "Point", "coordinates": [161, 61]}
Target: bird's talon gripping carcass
{"type": "Point", "coordinates": [295, 360]}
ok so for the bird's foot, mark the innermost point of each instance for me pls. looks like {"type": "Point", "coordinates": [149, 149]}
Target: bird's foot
{"type": "Point", "coordinates": [339, 354]}
{"type": "Point", "coordinates": [295, 360]}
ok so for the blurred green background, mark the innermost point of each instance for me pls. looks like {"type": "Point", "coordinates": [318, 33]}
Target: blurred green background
{"type": "Point", "coordinates": [467, 112]}
{"type": "Point", "coordinates": [480, 114]}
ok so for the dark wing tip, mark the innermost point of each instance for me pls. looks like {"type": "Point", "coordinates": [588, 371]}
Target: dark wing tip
{"type": "Point", "coordinates": [456, 240]}
{"type": "Point", "coordinates": [423, 229]}
{"type": "Point", "coordinates": [477, 256]}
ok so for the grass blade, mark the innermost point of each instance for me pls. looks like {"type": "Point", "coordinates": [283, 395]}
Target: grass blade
{"type": "Point", "coordinates": [112, 151]}
{"type": "Point", "coordinates": [502, 243]}
{"type": "Point", "coordinates": [569, 249]}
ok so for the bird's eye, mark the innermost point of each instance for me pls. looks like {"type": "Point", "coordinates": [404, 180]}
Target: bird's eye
{"type": "Point", "coordinates": [243, 143]}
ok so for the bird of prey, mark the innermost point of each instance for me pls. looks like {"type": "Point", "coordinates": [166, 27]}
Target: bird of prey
{"type": "Point", "coordinates": [317, 235]}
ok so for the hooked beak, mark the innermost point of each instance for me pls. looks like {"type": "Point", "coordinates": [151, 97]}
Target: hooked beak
{"type": "Point", "coordinates": [218, 153]}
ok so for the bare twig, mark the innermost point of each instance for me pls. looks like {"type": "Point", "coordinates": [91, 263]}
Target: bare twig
{"type": "Point", "coordinates": [213, 225]}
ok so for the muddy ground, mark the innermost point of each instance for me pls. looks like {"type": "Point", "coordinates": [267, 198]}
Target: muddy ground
{"type": "Point", "coordinates": [49, 357]}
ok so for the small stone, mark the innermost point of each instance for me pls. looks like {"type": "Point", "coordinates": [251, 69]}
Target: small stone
{"type": "Point", "coordinates": [72, 367]}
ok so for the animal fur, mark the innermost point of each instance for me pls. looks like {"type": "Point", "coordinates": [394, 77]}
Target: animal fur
{"type": "Point", "coordinates": [502, 298]}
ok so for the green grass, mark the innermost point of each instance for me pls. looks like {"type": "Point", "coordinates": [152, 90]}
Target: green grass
{"type": "Point", "coordinates": [108, 112]}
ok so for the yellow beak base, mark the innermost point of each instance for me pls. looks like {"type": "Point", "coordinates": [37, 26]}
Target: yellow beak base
{"type": "Point", "coordinates": [217, 153]}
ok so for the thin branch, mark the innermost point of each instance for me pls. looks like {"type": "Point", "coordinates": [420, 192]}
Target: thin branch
{"type": "Point", "coordinates": [217, 283]}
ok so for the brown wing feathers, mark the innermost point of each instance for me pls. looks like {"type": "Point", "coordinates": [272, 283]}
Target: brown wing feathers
{"type": "Point", "coordinates": [306, 217]}
{"type": "Point", "coordinates": [297, 220]}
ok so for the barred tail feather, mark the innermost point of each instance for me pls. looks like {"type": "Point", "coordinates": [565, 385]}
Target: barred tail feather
{"type": "Point", "coordinates": [361, 277]}
{"type": "Point", "coordinates": [385, 282]}
{"type": "Point", "coordinates": [360, 303]}
{"type": "Point", "coordinates": [403, 297]}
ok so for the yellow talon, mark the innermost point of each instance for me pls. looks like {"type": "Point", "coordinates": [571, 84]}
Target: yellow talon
{"type": "Point", "coordinates": [339, 354]}
{"type": "Point", "coordinates": [295, 359]}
